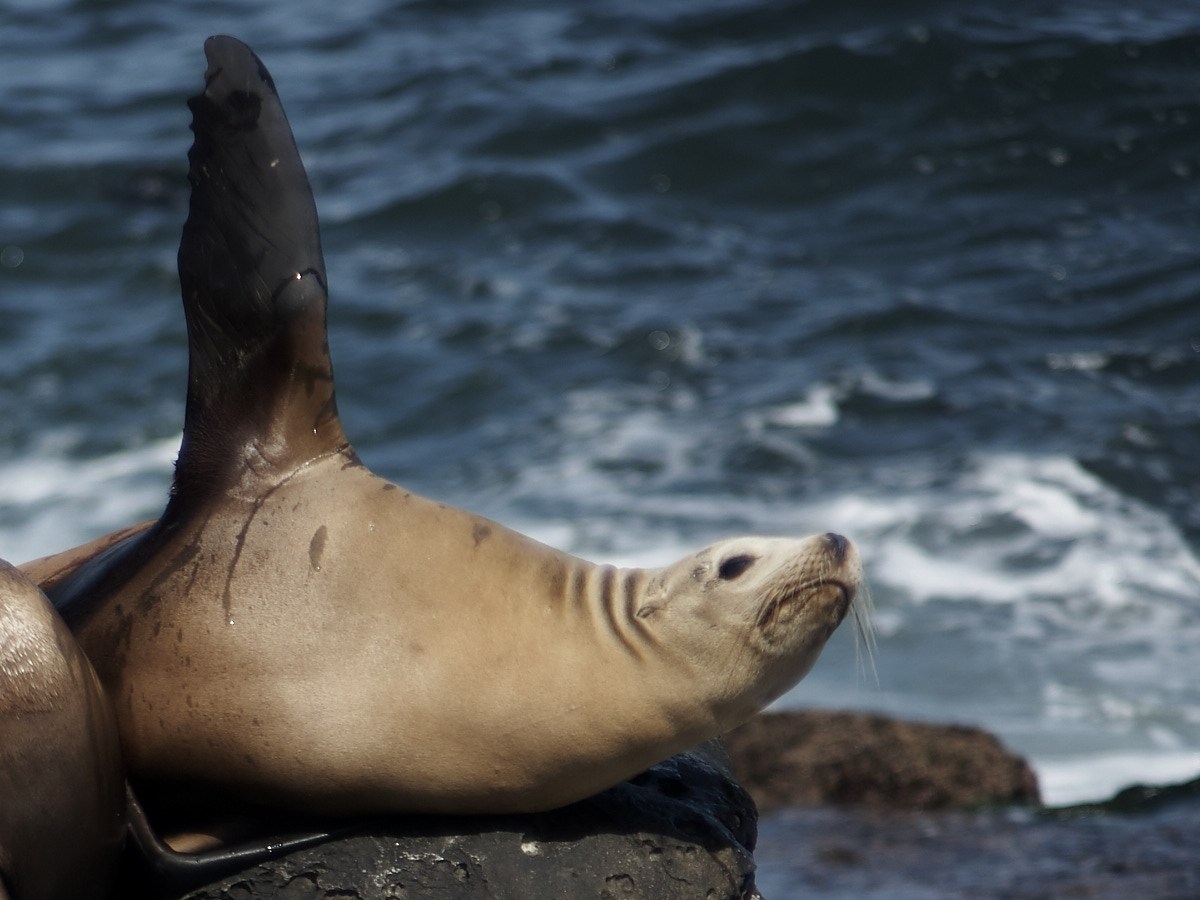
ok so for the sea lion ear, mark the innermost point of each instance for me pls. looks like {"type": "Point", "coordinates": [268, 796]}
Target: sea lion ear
{"type": "Point", "coordinates": [654, 598]}
{"type": "Point", "coordinates": [646, 610]}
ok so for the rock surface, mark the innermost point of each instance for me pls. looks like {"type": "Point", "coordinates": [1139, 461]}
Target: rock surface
{"type": "Point", "coordinates": [814, 758]}
{"type": "Point", "coordinates": [684, 829]}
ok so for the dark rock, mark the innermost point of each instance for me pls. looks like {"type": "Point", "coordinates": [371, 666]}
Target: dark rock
{"type": "Point", "coordinates": [1137, 799]}
{"type": "Point", "coordinates": [814, 758]}
{"type": "Point", "coordinates": [683, 829]}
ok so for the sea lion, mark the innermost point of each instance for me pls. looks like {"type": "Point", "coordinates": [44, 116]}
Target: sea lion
{"type": "Point", "coordinates": [296, 630]}
{"type": "Point", "coordinates": [62, 784]}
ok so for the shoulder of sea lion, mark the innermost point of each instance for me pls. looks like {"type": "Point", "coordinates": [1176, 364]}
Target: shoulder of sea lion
{"type": "Point", "coordinates": [77, 581]}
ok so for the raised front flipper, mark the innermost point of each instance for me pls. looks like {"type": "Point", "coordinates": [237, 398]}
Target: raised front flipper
{"type": "Point", "coordinates": [260, 385]}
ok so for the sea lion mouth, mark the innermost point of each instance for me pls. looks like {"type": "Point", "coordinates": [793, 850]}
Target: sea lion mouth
{"type": "Point", "coordinates": [778, 611]}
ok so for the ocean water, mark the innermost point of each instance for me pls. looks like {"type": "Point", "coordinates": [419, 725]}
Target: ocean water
{"type": "Point", "coordinates": [632, 277]}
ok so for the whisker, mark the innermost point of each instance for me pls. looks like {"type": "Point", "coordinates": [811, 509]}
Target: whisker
{"type": "Point", "coordinates": [863, 610]}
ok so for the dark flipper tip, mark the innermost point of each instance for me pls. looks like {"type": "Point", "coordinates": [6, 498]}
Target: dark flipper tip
{"type": "Point", "coordinates": [252, 224]}
{"type": "Point", "coordinates": [223, 51]}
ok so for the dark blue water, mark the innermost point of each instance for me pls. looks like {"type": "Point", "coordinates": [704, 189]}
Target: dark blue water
{"type": "Point", "coordinates": [634, 276]}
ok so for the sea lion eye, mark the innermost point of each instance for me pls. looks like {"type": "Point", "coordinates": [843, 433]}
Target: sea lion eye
{"type": "Point", "coordinates": [735, 566]}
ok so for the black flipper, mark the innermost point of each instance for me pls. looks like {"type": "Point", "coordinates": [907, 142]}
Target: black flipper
{"type": "Point", "coordinates": [260, 383]}
{"type": "Point", "coordinates": [166, 872]}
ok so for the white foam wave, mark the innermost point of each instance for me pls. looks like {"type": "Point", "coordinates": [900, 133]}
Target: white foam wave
{"type": "Point", "coordinates": [817, 409]}
{"type": "Point", "coordinates": [1011, 528]}
{"type": "Point", "coordinates": [1077, 604]}
{"type": "Point", "coordinates": [50, 501]}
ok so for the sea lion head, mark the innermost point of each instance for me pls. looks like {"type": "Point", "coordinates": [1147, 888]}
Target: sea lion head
{"type": "Point", "coordinates": [757, 611]}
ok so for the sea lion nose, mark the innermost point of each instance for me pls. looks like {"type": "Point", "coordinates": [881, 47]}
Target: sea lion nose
{"type": "Point", "coordinates": [838, 544]}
